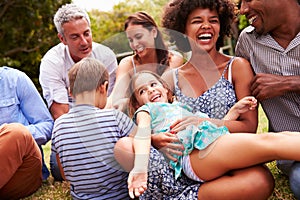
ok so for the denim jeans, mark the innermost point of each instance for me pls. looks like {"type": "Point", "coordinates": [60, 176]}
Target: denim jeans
{"type": "Point", "coordinates": [45, 171]}
{"type": "Point", "coordinates": [54, 168]}
{"type": "Point", "coordinates": [292, 169]}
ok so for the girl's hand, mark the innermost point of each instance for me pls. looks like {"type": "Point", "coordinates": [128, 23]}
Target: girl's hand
{"type": "Point", "coordinates": [137, 183]}
{"type": "Point", "coordinates": [246, 104]}
{"type": "Point", "coordinates": [167, 143]}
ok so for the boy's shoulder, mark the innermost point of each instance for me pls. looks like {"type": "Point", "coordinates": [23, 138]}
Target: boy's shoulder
{"type": "Point", "coordinates": [80, 110]}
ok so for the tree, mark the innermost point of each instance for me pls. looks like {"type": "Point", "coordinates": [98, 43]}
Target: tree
{"type": "Point", "coordinates": [26, 33]}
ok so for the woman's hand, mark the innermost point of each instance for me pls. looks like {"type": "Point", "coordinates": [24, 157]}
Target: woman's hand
{"type": "Point", "coordinates": [181, 124]}
{"type": "Point", "coordinates": [167, 143]}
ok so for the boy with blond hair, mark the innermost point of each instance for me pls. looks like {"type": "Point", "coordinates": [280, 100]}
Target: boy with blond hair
{"type": "Point", "coordinates": [84, 138]}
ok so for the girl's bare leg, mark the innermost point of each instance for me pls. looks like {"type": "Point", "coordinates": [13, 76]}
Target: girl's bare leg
{"type": "Point", "coordinates": [245, 184]}
{"type": "Point", "coordinates": [237, 151]}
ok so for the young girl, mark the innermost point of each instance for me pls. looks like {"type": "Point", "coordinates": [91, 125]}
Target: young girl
{"type": "Point", "coordinates": [210, 151]}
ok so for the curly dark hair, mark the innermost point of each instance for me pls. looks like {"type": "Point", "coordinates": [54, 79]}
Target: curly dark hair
{"type": "Point", "coordinates": [142, 18]}
{"type": "Point", "coordinates": [176, 13]}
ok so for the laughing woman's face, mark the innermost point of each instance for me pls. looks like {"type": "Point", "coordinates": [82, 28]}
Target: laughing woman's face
{"type": "Point", "coordinates": [203, 28]}
{"type": "Point", "coordinates": [140, 39]}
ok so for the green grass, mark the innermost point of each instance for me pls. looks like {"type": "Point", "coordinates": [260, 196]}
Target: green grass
{"type": "Point", "coordinates": [51, 190]}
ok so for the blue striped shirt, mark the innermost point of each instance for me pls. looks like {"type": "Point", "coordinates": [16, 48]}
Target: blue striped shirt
{"type": "Point", "coordinates": [84, 139]}
{"type": "Point", "coordinates": [267, 56]}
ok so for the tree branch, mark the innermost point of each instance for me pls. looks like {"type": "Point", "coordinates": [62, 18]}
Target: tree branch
{"type": "Point", "coordinates": [20, 49]}
{"type": "Point", "coordinates": [7, 4]}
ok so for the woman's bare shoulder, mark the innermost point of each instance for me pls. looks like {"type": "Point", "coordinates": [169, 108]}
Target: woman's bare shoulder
{"type": "Point", "coordinates": [126, 61]}
{"type": "Point", "coordinates": [167, 76]}
{"type": "Point", "coordinates": [241, 70]}
{"type": "Point", "coordinates": [239, 61]}
{"type": "Point", "coordinates": [176, 59]}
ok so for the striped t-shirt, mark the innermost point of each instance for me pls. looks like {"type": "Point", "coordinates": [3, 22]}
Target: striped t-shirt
{"type": "Point", "coordinates": [84, 139]}
{"type": "Point", "coordinates": [267, 56]}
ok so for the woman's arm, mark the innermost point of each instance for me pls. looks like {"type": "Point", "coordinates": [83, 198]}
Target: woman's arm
{"type": "Point", "coordinates": [242, 76]}
{"type": "Point", "coordinates": [168, 78]}
{"type": "Point", "coordinates": [176, 59]}
{"type": "Point", "coordinates": [167, 143]}
{"type": "Point", "coordinates": [119, 97]}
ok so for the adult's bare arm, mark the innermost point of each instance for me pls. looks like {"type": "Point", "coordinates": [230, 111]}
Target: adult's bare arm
{"type": "Point", "coordinates": [58, 109]}
{"type": "Point", "coordinates": [265, 86]}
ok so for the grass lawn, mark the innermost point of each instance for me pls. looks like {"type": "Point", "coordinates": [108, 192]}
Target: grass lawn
{"type": "Point", "coordinates": [51, 190]}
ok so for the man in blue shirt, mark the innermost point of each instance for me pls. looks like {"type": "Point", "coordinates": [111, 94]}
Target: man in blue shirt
{"type": "Point", "coordinates": [25, 125]}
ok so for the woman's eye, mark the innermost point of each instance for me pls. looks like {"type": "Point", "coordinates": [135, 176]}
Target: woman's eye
{"type": "Point", "coordinates": [196, 22]}
{"type": "Point", "coordinates": [214, 21]}
{"type": "Point", "coordinates": [130, 40]}
{"type": "Point", "coordinates": [138, 37]}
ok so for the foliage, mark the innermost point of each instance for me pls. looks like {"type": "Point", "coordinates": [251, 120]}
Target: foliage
{"type": "Point", "coordinates": [26, 33]}
{"type": "Point", "coordinates": [243, 22]}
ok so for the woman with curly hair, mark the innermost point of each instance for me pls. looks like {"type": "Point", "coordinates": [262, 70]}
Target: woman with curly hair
{"type": "Point", "coordinates": [211, 82]}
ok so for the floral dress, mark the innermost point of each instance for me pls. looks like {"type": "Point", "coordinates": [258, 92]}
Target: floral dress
{"type": "Point", "coordinates": [216, 101]}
